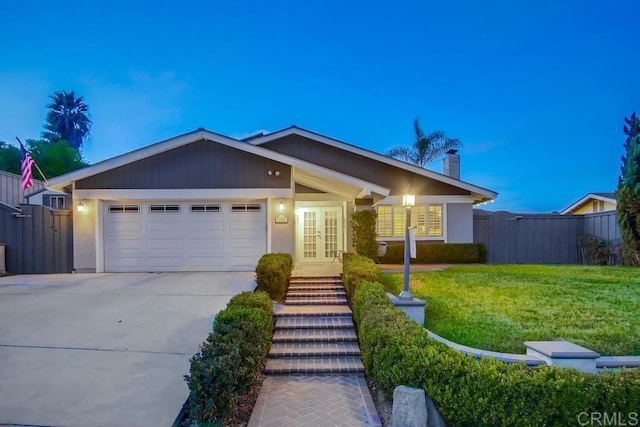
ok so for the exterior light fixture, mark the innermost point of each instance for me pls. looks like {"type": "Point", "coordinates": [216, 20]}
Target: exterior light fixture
{"type": "Point", "coordinates": [81, 206]}
{"type": "Point", "coordinates": [408, 200]}
{"type": "Point", "coordinates": [281, 205]}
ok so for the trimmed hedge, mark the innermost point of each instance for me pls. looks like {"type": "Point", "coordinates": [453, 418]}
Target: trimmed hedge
{"type": "Point", "coordinates": [486, 392]}
{"type": "Point", "coordinates": [356, 269]}
{"type": "Point", "coordinates": [437, 253]}
{"type": "Point", "coordinates": [230, 359]}
{"type": "Point", "coordinates": [272, 274]}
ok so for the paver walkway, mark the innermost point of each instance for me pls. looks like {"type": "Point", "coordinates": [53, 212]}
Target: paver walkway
{"type": "Point", "coordinates": [314, 372]}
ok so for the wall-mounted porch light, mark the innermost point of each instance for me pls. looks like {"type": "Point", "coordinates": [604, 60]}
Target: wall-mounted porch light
{"type": "Point", "coordinates": [281, 205]}
{"type": "Point", "coordinates": [81, 206]}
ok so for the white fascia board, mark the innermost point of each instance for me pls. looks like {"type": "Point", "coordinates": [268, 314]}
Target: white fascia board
{"type": "Point", "coordinates": [422, 200]}
{"type": "Point", "coordinates": [179, 141]}
{"type": "Point", "coordinates": [336, 182]}
{"type": "Point", "coordinates": [184, 194]}
{"type": "Point", "coordinates": [376, 156]}
{"type": "Point", "coordinates": [586, 199]}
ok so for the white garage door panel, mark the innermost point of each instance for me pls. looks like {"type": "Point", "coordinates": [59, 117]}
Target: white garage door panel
{"type": "Point", "coordinates": [140, 240]}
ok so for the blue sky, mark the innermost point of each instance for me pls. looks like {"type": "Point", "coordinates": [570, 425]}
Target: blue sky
{"type": "Point", "coordinates": [536, 91]}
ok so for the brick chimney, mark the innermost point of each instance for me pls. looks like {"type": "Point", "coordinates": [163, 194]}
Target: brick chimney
{"type": "Point", "coordinates": [451, 164]}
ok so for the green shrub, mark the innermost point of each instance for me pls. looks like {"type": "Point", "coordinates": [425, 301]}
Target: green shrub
{"type": "Point", "coordinates": [358, 269]}
{"type": "Point", "coordinates": [231, 357]}
{"type": "Point", "coordinates": [364, 233]}
{"type": "Point", "coordinates": [437, 253]}
{"type": "Point", "coordinates": [485, 392]}
{"type": "Point", "coordinates": [272, 274]}
{"type": "Point", "coordinates": [259, 299]}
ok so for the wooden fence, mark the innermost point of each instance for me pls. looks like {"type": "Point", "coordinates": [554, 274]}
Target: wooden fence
{"type": "Point", "coordinates": [37, 239]}
{"type": "Point", "coordinates": [11, 188]}
{"type": "Point", "coordinates": [513, 238]}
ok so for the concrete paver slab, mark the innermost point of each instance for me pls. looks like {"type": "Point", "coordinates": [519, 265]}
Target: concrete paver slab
{"type": "Point", "coordinates": [104, 349]}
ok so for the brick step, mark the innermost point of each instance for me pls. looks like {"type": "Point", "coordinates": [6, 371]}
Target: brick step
{"type": "Point", "coordinates": [314, 349]}
{"type": "Point", "coordinates": [314, 335]}
{"type": "Point", "coordinates": [311, 310]}
{"type": "Point", "coordinates": [315, 281]}
{"type": "Point", "coordinates": [315, 301]}
{"type": "Point", "coordinates": [315, 293]}
{"type": "Point", "coordinates": [314, 322]}
{"type": "Point", "coordinates": [318, 286]}
{"type": "Point", "coordinates": [314, 365]}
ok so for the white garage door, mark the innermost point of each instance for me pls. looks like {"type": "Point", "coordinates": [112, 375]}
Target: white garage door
{"type": "Point", "coordinates": [184, 236]}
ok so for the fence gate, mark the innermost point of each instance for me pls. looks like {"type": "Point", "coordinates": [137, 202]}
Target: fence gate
{"type": "Point", "coordinates": [38, 239]}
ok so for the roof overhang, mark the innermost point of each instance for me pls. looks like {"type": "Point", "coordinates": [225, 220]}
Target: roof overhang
{"type": "Point", "coordinates": [306, 173]}
{"type": "Point", "coordinates": [586, 199]}
{"type": "Point", "coordinates": [479, 194]}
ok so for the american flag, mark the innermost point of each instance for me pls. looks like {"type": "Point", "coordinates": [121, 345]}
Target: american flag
{"type": "Point", "coordinates": [27, 164]}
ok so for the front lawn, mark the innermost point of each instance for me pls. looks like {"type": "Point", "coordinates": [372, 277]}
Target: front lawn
{"type": "Point", "coordinates": [499, 307]}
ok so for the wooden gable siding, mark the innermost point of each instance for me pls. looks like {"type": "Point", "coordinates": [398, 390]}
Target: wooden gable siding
{"type": "Point", "coordinates": [202, 164]}
{"type": "Point", "coordinates": [396, 179]}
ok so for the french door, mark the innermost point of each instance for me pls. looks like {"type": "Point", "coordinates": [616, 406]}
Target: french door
{"type": "Point", "coordinates": [320, 234]}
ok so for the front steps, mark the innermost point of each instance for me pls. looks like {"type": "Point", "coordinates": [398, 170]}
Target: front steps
{"type": "Point", "coordinates": [314, 332]}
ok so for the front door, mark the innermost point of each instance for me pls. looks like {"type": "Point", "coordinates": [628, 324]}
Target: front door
{"type": "Point", "coordinates": [319, 234]}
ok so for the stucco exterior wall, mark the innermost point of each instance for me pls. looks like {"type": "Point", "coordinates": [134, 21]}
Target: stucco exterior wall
{"type": "Point", "coordinates": [282, 234]}
{"type": "Point", "coordinates": [459, 223]}
{"type": "Point", "coordinates": [84, 237]}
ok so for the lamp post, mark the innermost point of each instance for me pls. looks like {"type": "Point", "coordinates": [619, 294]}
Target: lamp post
{"type": "Point", "coordinates": [408, 200]}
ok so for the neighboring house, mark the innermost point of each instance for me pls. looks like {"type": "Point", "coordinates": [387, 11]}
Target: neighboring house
{"type": "Point", "coordinates": [11, 189]}
{"type": "Point", "coordinates": [206, 202]}
{"type": "Point", "coordinates": [592, 203]}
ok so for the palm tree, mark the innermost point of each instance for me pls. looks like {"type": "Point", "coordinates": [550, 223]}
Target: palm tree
{"type": "Point", "coordinates": [67, 119]}
{"type": "Point", "coordinates": [426, 148]}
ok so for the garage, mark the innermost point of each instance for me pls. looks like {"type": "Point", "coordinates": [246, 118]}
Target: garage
{"type": "Point", "coordinates": [184, 235]}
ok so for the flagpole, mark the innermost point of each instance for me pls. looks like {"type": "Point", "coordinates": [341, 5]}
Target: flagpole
{"type": "Point", "coordinates": [46, 181]}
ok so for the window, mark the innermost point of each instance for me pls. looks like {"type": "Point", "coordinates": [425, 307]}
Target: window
{"type": "Point", "coordinates": [124, 209]}
{"type": "Point", "coordinates": [385, 222]}
{"type": "Point", "coordinates": [205, 208]}
{"type": "Point", "coordinates": [601, 205]}
{"type": "Point", "coordinates": [164, 208]}
{"type": "Point", "coordinates": [57, 202]}
{"type": "Point", "coordinates": [435, 220]}
{"type": "Point", "coordinates": [246, 207]}
{"type": "Point", "coordinates": [427, 219]}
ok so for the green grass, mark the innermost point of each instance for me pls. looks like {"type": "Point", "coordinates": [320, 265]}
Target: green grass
{"type": "Point", "coordinates": [499, 307]}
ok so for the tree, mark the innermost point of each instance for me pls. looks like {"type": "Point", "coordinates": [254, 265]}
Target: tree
{"type": "Point", "coordinates": [10, 158]}
{"type": "Point", "coordinates": [628, 193]}
{"type": "Point", "coordinates": [54, 158]}
{"type": "Point", "coordinates": [67, 119]}
{"type": "Point", "coordinates": [426, 148]}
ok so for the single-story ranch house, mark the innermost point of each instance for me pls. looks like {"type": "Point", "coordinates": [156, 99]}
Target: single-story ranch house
{"type": "Point", "coordinates": [206, 202]}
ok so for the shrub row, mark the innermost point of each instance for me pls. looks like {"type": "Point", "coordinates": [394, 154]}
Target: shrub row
{"type": "Point", "coordinates": [437, 253]}
{"type": "Point", "coordinates": [356, 269]}
{"type": "Point", "coordinates": [230, 359]}
{"type": "Point", "coordinates": [486, 392]}
{"type": "Point", "coordinates": [272, 274]}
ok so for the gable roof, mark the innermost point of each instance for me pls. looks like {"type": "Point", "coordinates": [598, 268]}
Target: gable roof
{"type": "Point", "coordinates": [311, 169]}
{"type": "Point", "coordinates": [482, 194]}
{"type": "Point", "coordinates": [605, 197]}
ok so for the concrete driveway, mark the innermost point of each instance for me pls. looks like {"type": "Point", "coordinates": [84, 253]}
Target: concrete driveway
{"type": "Point", "coordinates": [104, 349]}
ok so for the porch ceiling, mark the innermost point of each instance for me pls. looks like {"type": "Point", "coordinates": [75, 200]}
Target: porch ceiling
{"type": "Point", "coordinates": [342, 185]}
